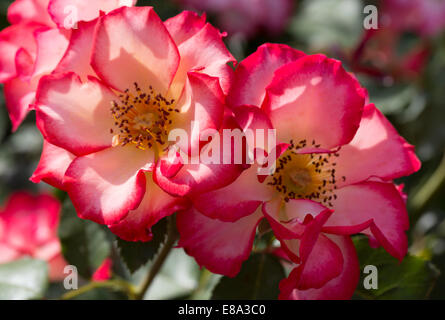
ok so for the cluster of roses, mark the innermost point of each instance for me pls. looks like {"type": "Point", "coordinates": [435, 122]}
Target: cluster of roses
{"type": "Point", "coordinates": [108, 93]}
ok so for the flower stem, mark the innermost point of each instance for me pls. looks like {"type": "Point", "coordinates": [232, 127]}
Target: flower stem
{"type": "Point", "coordinates": [172, 236]}
{"type": "Point", "coordinates": [428, 190]}
{"type": "Point", "coordinates": [113, 284]}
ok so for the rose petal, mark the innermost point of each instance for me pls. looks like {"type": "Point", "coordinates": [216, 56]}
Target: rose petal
{"type": "Point", "coordinates": [106, 185]}
{"type": "Point", "coordinates": [53, 164]}
{"type": "Point", "coordinates": [339, 288]}
{"type": "Point", "coordinates": [132, 45]}
{"type": "Point", "coordinates": [385, 213]}
{"type": "Point", "coordinates": [155, 205]}
{"type": "Point", "coordinates": [74, 115]}
{"type": "Point", "coordinates": [239, 199]}
{"type": "Point", "coordinates": [219, 246]}
{"type": "Point", "coordinates": [323, 263]}
{"type": "Point", "coordinates": [255, 73]}
{"type": "Point", "coordinates": [78, 54]}
{"type": "Point", "coordinates": [287, 218]}
{"type": "Point", "coordinates": [19, 95]}
{"type": "Point", "coordinates": [51, 46]}
{"type": "Point", "coordinates": [12, 39]}
{"type": "Point", "coordinates": [185, 25]}
{"type": "Point", "coordinates": [204, 52]}
{"type": "Point", "coordinates": [376, 150]}
{"type": "Point", "coordinates": [325, 102]}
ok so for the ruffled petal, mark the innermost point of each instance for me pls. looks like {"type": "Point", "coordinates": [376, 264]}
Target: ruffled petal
{"type": "Point", "coordinates": [106, 185]}
{"type": "Point", "coordinates": [74, 115]}
{"type": "Point", "coordinates": [51, 46]}
{"type": "Point", "coordinates": [201, 109]}
{"type": "Point", "coordinates": [78, 54]}
{"type": "Point", "coordinates": [257, 128]}
{"type": "Point", "coordinates": [184, 25]}
{"type": "Point", "coordinates": [198, 176]}
{"type": "Point", "coordinates": [53, 164]}
{"type": "Point", "coordinates": [339, 288]}
{"type": "Point", "coordinates": [323, 262]}
{"type": "Point", "coordinates": [155, 205]}
{"type": "Point", "coordinates": [325, 102]}
{"type": "Point", "coordinates": [252, 118]}
{"type": "Point", "coordinates": [12, 39]}
{"type": "Point", "coordinates": [287, 219]}
{"type": "Point", "coordinates": [219, 246]}
{"type": "Point", "coordinates": [255, 73]}
{"type": "Point", "coordinates": [385, 213]}
{"type": "Point", "coordinates": [203, 52]}
{"type": "Point", "coordinates": [133, 45]}
{"type": "Point", "coordinates": [377, 150]}
{"type": "Point", "coordinates": [19, 95]}
{"type": "Point", "coordinates": [239, 199]}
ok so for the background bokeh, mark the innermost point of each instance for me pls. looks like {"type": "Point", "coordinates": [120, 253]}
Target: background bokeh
{"type": "Point", "coordinates": [401, 64]}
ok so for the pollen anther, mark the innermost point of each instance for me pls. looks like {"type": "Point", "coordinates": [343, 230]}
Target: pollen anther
{"type": "Point", "coordinates": [305, 175]}
{"type": "Point", "coordinates": [142, 119]}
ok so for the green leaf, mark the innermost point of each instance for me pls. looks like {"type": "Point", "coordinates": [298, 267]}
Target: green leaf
{"type": "Point", "coordinates": [84, 243]}
{"type": "Point", "coordinates": [414, 278]}
{"type": "Point", "coordinates": [137, 254]}
{"type": "Point", "coordinates": [258, 279]}
{"type": "Point", "coordinates": [23, 279]}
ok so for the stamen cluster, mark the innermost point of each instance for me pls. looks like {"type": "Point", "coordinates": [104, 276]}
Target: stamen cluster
{"type": "Point", "coordinates": [300, 175]}
{"type": "Point", "coordinates": [142, 118]}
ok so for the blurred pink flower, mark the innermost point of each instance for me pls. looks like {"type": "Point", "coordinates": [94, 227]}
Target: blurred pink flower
{"type": "Point", "coordinates": [425, 17]}
{"type": "Point", "coordinates": [378, 53]}
{"type": "Point", "coordinates": [246, 17]}
{"type": "Point", "coordinates": [28, 227]}
{"type": "Point", "coordinates": [103, 273]}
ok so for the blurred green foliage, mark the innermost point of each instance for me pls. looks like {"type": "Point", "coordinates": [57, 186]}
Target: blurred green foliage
{"type": "Point", "coordinates": [23, 279]}
{"type": "Point", "coordinates": [84, 244]}
{"type": "Point", "coordinates": [413, 278]}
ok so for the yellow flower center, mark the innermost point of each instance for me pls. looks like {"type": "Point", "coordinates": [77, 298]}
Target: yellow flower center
{"type": "Point", "coordinates": [305, 175]}
{"type": "Point", "coordinates": [301, 178]}
{"type": "Point", "coordinates": [142, 119]}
